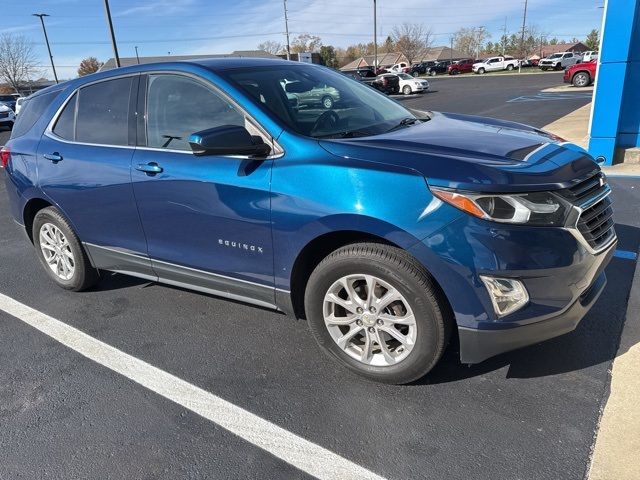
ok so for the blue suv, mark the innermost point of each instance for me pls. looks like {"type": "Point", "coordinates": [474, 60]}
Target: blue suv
{"type": "Point", "coordinates": [391, 231]}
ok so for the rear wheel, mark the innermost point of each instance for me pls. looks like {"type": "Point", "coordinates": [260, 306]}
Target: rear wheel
{"type": "Point", "coordinates": [60, 251]}
{"type": "Point", "coordinates": [406, 90]}
{"type": "Point", "coordinates": [377, 311]}
{"type": "Point", "coordinates": [432, 73]}
{"type": "Point", "coordinates": [509, 67]}
{"type": "Point", "coordinates": [481, 70]}
{"type": "Point", "coordinates": [416, 74]}
{"type": "Point", "coordinates": [581, 79]}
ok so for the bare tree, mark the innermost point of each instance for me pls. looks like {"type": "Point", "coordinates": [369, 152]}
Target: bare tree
{"type": "Point", "coordinates": [88, 66]}
{"type": "Point", "coordinates": [271, 46]}
{"type": "Point", "coordinates": [17, 60]}
{"type": "Point", "coordinates": [306, 42]}
{"type": "Point", "coordinates": [470, 40]}
{"type": "Point", "coordinates": [412, 40]}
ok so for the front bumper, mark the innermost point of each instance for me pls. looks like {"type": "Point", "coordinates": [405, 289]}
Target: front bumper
{"type": "Point", "coordinates": [478, 345]}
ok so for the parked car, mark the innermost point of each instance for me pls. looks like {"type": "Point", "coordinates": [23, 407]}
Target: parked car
{"type": "Point", "coordinates": [420, 68]}
{"type": "Point", "coordinates": [7, 116]}
{"type": "Point", "coordinates": [388, 83]}
{"type": "Point", "coordinates": [581, 74]}
{"type": "Point", "coordinates": [590, 55]}
{"type": "Point", "coordinates": [493, 64]}
{"type": "Point", "coordinates": [389, 230]}
{"type": "Point", "coordinates": [19, 102]}
{"type": "Point", "coordinates": [461, 66]}
{"type": "Point", "coordinates": [319, 96]}
{"type": "Point", "coordinates": [409, 84]}
{"type": "Point", "coordinates": [401, 67]}
{"type": "Point", "coordinates": [438, 67]}
{"type": "Point", "coordinates": [9, 101]}
{"type": "Point", "coordinates": [558, 61]}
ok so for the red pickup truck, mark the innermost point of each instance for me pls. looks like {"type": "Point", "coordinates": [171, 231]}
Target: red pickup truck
{"type": "Point", "coordinates": [581, 74]}
{"type": "Point", "coordinates": [461, 66]}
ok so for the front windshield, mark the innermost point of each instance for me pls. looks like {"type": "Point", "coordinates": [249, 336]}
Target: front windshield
{"type": "Point", "coordinates": [405, 76]}
{"type": "Point", "coordinates": [318, 102]}
{"type": "Point", "coordinates": [556, 55]}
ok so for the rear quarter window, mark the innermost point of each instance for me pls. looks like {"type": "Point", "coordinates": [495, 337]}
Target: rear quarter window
{"type": "Point", "coordinates": [32, 110]}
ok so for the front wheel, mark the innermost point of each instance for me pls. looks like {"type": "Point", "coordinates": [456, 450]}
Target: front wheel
{"type": "Point", "coordinates": [432, 73]}
{"type": "Point", "coordinates": [481, 71]}
{"type": "Point", "coordinates": [416, 74]}
{"type": "Point", "coordinates": [61, 253]}
{"type": "Point", "coordinates": [581, 79]}
{"type": "Point", "coordinates": [377, 311]}
{"type": "Point", "coordinates": [406, 90]}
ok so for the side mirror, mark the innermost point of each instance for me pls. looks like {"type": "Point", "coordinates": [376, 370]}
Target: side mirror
{"type": "Point", "coordinates": [228, 140]}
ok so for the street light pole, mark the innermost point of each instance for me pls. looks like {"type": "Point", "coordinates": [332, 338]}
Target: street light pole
{"type": "Point", "coordinates": [375, 38]}
{"type": "Point", "coordinates": [137, 57]}
{"type": "Point", "coordinates": [46, 39]}
{"type": "Point", "coordinates": [107, 11]}
{"type": "Point", "coordinates": [286, 28]}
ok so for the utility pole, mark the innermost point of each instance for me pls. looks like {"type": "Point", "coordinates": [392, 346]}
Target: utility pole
{"type": "Point", "coordinates": [478, 41]}
{"type": "Point", "coordinates": [46, 39]}
{"type": "Point", "coordinates": [503, 40]}
{"type": "Point", "coordinates": [137, 57]}
{"type": "Point", "coordinates": [524, 24]}
{"type": "Point", "coordinates": [375, 38]}
{"type": "Point", "coordinates": [286, 28]}
{"type": "Point", "coordinates": [113, 35]}
{"type": "Point", "coordinates": [451, 48]}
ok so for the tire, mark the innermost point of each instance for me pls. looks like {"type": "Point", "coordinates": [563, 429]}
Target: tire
{"type": "Point", "coordinates": [327, 102]}
{"type": "Point", "coordinates": [423, 301]}
{"type": "Point", "coordinates": [406, 90]}
{"type": "Point", "coordinates": [544, 69]}
{"type": "Point", "coordinates": [481, 71]}
{"type": "Point", "coordinates": [415, 74]}
{"type": "Point", "coordinates": [581, 79]}
{"type": "Point", "coordinates": [509, 67]}
{"type": "Point", "coordinates": [432, 73]}
{"type": "Point", "coordinates": [82, 275]}
{"type": "Point", "coordinates": [455, 72]}
{"type": "Point", "coordinates": [558, 66]}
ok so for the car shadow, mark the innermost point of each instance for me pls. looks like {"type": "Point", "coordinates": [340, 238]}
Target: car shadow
{"type": "Point", "coordinates": [596, 339]}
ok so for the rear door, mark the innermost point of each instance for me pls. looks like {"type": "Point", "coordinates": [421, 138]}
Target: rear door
{"type": "Point", "coordinates": [207, 219]}
{"type": "Point", "coordinates": [84, 162]}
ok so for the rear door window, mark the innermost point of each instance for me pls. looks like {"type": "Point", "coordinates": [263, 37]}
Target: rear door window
{"type": "Point", "coordinates": [103, 112]}
{"type": "Point", "coordinates": [32, 110]}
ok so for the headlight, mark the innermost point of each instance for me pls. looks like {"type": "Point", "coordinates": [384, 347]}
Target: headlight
{"type": "Point", "coordinates": [537, 208]}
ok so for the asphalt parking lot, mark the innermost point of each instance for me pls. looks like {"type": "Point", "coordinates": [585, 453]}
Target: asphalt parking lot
{"type": "Point", "coordinates": [529, 414]}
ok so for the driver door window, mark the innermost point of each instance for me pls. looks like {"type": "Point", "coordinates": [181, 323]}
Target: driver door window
{"type": "Point", "coordinates": [179, 106]}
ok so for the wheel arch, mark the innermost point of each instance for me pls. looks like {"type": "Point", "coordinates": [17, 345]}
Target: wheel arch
{"type": "Point", "coordinates": [29, 212]}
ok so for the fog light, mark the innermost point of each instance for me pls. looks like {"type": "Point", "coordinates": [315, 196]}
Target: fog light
{"type": "Point", "coordinates": [507, 294]}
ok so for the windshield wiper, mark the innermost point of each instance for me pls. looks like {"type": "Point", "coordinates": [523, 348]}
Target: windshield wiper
{"type": "Point", "coordinates": [346, 134]}
{"type": "Point", "coordinates": [405, 122]}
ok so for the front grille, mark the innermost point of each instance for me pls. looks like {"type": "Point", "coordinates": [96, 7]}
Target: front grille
{"type": "Point", "coordinates": [596, 221]}
{"type": "Point", "coordinates": [4, 114]}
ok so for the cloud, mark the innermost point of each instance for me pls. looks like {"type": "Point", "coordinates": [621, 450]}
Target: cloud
{"type": "Point", "coordinates": [158, 7]}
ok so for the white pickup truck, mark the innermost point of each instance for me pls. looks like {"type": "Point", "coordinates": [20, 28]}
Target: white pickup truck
{"type": "Point", "coordinates": [559, 61]}
{"type": "Point", "coordinates": [495, 63]}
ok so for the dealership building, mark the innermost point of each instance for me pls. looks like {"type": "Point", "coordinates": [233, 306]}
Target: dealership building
{"type": "Point", "coordinates": [614, 129]}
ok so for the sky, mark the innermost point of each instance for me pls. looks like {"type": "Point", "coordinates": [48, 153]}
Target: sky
{"type": "Point", "coordinates": [78, 28]}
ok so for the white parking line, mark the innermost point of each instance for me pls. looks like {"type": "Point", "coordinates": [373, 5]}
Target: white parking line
{"type": "Point", "coordinates": [295, 450]}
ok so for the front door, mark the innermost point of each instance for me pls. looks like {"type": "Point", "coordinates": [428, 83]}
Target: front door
{"type": "Point", "coordinates": [206, 218]}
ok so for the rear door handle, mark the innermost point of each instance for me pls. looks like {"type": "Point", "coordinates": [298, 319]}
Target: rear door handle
{"type": "Point", "coordinates": [150, 168]}
{"type": "Point", "coordinates": [55, 157]}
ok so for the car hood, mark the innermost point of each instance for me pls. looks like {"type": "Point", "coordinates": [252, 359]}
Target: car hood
{"type": "Point", "coordinates": [475, 153]}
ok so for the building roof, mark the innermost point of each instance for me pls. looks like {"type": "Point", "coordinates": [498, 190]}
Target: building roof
{"type": "Point", "coordinates": [128, 61]}
{"type": "Point", "coordinates": [442, 53]}
{"type": "Point", "coordinates": [384, 60]}
{"type": "Point", "coordinates": [563, 47]}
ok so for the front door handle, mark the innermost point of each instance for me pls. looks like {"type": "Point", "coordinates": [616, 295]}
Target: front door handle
{"type": "Point", "coordinates": [150, 168]}
{"type": "Point", "coordinates": [55, 157]}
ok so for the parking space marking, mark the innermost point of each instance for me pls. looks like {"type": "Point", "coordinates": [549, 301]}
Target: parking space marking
{"type": "Point", "coordinates": [543, 97]}
{"type": "Point", "coordinates": [625, 254]}
{"type": "Point", "coordinates": [289, 447]}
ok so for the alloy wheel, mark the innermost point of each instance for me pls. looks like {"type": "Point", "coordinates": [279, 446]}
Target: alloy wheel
{"type": "Point", "coordinates": [370, 320]}
{"type": "Point", "coordinates": [57, 251]}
